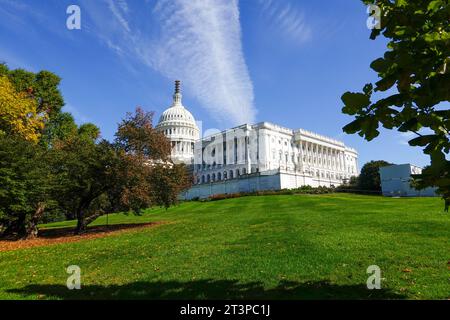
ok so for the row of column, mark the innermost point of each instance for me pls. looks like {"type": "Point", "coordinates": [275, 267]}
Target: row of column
{"type": "Point", "coordinates": [182, 147]}
{"type": "Point", "coordinates": [235, 153]}
{"type": "Point", "coordinates": [325, 157]}
{"type": "Point", "coordinates": [179, 131]}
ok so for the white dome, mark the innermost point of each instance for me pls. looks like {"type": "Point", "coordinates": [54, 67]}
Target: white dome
{"type": "Point", "coordinates": [176, 115]}
{"type": "Point", "coordinates": [178, 124]}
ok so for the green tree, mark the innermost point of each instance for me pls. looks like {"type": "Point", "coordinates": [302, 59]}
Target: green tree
{"type": "Point", "coordinates": [26, 185]}
{"type": "Point", "coordinates": [414, 79]}
{"type": "Point", "coordinates": [61, 127]}
{"type": "Point", "coordinates": [85, 171]}
{"type": "Point", "coordinates": [42, 86]}
{"type": "Point", "coordinates": [132, 174]}
{"type": "Point", "coordinates": [89, 131]}
{"type": "Point", "coordinates": [369, 178]}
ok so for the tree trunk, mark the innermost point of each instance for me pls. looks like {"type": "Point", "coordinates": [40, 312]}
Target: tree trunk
{"type": "Point", "coordinates": [83, 222]}
{"type": "Point", "coordinates": [92, 218]}
{"type": "Point", "coordinates": [81, 225]}
{"type": "Point", "coordinates": [31, 230]}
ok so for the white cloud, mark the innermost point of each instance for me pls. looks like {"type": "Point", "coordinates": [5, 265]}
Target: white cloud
{"type": "Point", "coordinates": [79, 117]}
{"type": "Point", "coordinates": [404, 137]}
{"type": "Point", "coordinates": [287, 19]}
{"type": "Point", "coordinates": [119, 9]}
{"type": "Point", "coordinates": [196, 41]}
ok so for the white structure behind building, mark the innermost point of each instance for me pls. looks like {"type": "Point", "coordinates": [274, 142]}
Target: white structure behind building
{"type": "Point", "coordinates": [396, 181]}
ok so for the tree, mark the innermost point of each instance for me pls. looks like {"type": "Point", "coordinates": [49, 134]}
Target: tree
{"type": "Point", "coordinates": [89, 131]}
{"type": "Point", "coordinates": [369, 178]}
{"type": "Point", "coordinates": [41, 86]}
{"type": "Point", "coordinates": [61, 127]}
{"type": "Point", "coordinates": [415, 79]}
{"type": "Point", "coordinates": [18, 113]}
{"type": "Point", "coordinates": [136, 136]}
{"type": "Point", "coordinates": [26, 186]}
{"type": "Point", "coordinates": [129, 175]}
{"type": "Point", "coordinates": [168, 183]}
{"type": "Point", "coordinates": [85, 170]}
{"type": "Point", "coordinates": [147, 176]}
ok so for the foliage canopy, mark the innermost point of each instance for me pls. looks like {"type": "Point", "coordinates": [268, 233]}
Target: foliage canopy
{"type": "Point", "coordinates": [414, 82]}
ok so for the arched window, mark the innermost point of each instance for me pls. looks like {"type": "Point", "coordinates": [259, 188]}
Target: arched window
{"type": "Point", "coordinates": [237, 173]}
{"type": "Point", "coordinates": [219, 176]}
{"type": "Point", "coordinates": [244, 171]}
{"type": "Point", "coordinates": [208, 178]}
{"type": "Point", "coordinates": [203, 179]}
{"type": "Point", "coordinates": [231, 174]}
{"type": "Point", "coordinates": [213, 177]}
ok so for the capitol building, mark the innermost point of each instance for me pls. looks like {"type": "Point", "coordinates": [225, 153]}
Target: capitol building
{"type": "Point", "coordinates": [252, 157]}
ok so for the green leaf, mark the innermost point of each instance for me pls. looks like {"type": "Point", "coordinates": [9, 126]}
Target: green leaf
{"type": "Point", "coordinates": [379, 65]}
{"type": "Point", "coordinates": [370, 128]}
{"type": "Point", "coordinates": [354, 102]}
{"type": "Point", "coordinates": [385, 83]}
{"type": "Point", "coordinates": [422, 140]}
{"type": "Point", "coordinates": [435, 5]}
{"type": "Point", "coordinates": [353, 126]}
{"type": "Point", "coordinates": [410, 125]}
{"type": "Point", "coordinates": [368, 89]}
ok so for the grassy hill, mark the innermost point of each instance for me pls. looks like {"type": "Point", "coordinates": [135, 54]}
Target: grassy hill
{"type": "Point", "coordinates": [280, 247]}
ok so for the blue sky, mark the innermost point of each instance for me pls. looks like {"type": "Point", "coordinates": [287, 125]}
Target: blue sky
{"type": "Point", "coordinates": [283, 61]}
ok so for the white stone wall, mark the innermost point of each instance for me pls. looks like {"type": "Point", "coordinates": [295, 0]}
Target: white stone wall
{"type": "Point", "coordinates": [246, 184]}
{"type": "Point", "coordinates": [255, 182]}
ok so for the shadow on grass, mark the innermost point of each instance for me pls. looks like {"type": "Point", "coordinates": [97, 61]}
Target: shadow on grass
{"type": "Point", "coordinates": [208, 289]}
{"type": "Point", "coordinates": [69, 231]}
{"type": "Point", "coordinates": [63, 232]}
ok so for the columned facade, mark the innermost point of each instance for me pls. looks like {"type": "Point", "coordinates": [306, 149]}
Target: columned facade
{"type": "Point", "coordinates": [265, 148]}
{"type": "Point", "coordinates": [254, 157]}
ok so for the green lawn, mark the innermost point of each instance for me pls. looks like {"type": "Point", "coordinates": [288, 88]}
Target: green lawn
{"type": "Point", "coordinates": [272, 247]}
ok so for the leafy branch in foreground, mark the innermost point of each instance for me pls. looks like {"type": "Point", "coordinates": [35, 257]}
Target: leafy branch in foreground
{"type": "Point", "coordinates": [415, 79]}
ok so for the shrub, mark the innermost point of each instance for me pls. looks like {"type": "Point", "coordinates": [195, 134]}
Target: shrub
{"type": "Point", "coordinates": [300, 190]}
